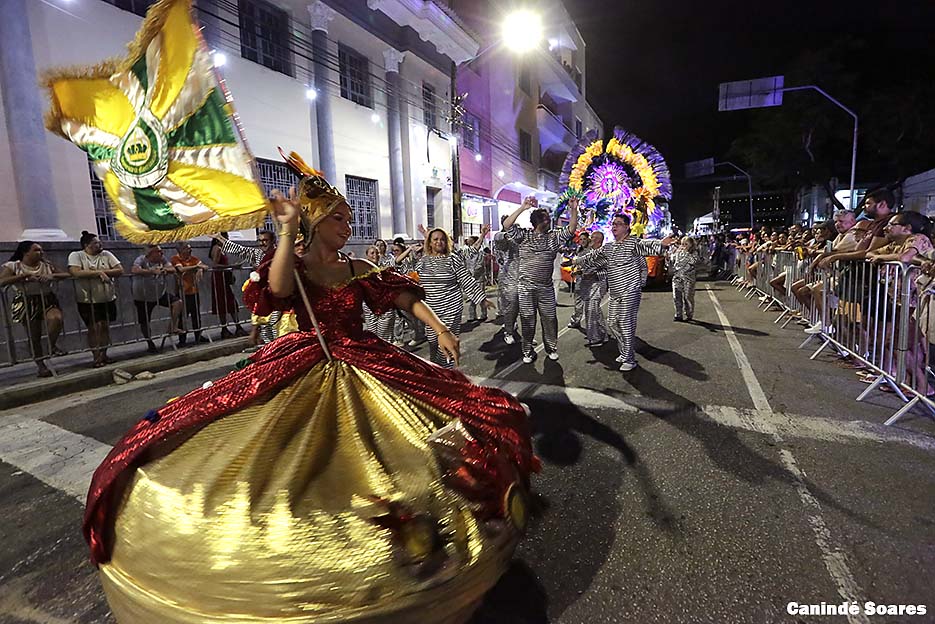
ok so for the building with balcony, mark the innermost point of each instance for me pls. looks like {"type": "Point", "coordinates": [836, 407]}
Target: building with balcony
{"type": "Point", "coordinates": [523, 112]}
{"type": "Point", "coordinates": [359, 88]}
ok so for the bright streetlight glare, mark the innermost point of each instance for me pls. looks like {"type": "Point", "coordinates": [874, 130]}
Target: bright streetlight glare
{"type": "Point", "coordinates": [375, 118]}
{"type": "Point", "coordinates": [311, 93]}
{"type": "Point", "coordinates": [478, 157]}
{"type": "Point", "coordinates": [522, 30]}
{"type": "Point", "coordinates": [220, 59]}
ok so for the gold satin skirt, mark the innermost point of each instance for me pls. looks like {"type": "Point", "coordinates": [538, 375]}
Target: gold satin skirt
{"type": "Point", "coordinates": [273, 514]}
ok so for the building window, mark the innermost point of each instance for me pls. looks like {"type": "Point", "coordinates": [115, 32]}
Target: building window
{"type": "Point", "coordinates": [134, 6]}
{"type": "Point", "coordinates": [430, 195]}
{"type": "Point", "coordinates": [470, 132]}
{"type": "Point", "coordinates": [362, 198]}
{"type": "Point", "coordinates": [263, 29]}
{"type": "Point", "coordinates": [355, 76]}
{"type": "Point", "coordinates": [525, 79]}
{"type": "Point", "coordinates": [525, 146]}
{"type": "Point", "coordinates": [578, 127]}
{"type": "Point", "coordinates": [103, 214]}
{"type": "Point", "coordinates": [429, 110]}
{"type": "Point", "coordinates": [275, 176]}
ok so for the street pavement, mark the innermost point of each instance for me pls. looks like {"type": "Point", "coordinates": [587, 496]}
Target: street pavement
{"type": "Point", "coordinates": [724, 478]}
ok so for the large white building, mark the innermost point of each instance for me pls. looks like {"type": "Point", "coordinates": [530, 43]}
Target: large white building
{"type": "Point", "coordinates": [359, 88]}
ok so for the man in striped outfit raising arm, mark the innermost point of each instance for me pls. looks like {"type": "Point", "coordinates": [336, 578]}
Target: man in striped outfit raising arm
{"type": "Point", "coordinates": [625, 265]}
{"type": "Point", "coordinates": [537, 250]}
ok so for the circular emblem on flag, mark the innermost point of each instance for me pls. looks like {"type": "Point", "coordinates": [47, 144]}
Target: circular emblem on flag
{"type": "Point", "coordinates": [141, 159]}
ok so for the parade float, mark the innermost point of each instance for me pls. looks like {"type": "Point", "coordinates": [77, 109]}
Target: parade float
{"type": "Point", "coordinates": [625, 175]}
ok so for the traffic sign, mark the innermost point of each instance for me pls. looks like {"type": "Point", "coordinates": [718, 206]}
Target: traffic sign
{"type": "Point", "coordinates": [743, 94]}
{"type": "Point", "coordinates": [698, 168]}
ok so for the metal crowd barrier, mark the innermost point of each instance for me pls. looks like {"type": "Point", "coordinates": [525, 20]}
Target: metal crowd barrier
{"type": "Point", "coordinates": [16, 341]}
{"type": "Point", "coordinates": [874, 314]}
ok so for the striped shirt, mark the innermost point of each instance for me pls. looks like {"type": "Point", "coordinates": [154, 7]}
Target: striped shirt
{"type": "Point", "coordinates": [250, 255]}
{"type": "Point", "coordinates": [625, 263]}
{"type": "Point", "coordinates": [507, 254]}
{"type": "Point", "coordinates": [537, 252]}
{"type": "Point", "coordinates": [473, 260]}
{"type": "Point", "coordinates": [682, 262]}
{"type": "Point", "coordinates": [444, 278]}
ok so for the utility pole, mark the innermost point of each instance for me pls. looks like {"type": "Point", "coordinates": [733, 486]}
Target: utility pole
{"type": "Point", "coordinates": [454, 120]}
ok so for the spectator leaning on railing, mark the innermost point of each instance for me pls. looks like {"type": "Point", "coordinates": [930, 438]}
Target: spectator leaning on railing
{"type": "Point", "coordinates": [190, 270]}
{"type": "Point", "coordinates": [878, 205]}
{"type": "Point", "coordinates": [31, 277]}
{"type": "Point", "coordinates": [149, 290]}
{"type": "Point", "coordinates": [223, 302]}
{"type": "Point", "coordinates": [95, 269]}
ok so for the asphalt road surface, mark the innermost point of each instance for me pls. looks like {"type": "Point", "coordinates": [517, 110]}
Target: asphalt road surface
{"type": "Point", "coordinates": [723, 479]}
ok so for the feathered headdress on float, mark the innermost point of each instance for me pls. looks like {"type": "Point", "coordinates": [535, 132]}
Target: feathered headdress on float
{"type": "Point", "coordinates": [628, 175]}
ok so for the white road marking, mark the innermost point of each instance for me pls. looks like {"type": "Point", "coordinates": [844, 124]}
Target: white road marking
{"type": "Point", "coordinates": [833, 556]}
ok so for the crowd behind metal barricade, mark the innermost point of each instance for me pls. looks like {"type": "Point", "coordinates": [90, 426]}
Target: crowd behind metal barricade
{"type": "Point", "coordinates": [97, 303]}
{"type": "Point", "coordinates": [862, 290]}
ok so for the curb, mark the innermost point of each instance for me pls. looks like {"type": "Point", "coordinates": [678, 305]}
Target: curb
{"type": "Point", "coordinates": [44, 389]}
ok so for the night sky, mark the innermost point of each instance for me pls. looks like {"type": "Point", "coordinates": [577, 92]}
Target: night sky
{"type": "Point", "coordinates": [654, 66]}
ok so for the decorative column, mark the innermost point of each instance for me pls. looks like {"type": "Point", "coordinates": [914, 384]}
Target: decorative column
{"type": "Point", "coordinates": [23, 107]}
{"type": "Point", "coordinates": [392, 58]}
{"type": "Point", "coordinates": [320, 15]}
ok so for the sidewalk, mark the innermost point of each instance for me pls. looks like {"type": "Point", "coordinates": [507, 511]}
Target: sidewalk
{"type": "Point", "coordinates": [20, 386]}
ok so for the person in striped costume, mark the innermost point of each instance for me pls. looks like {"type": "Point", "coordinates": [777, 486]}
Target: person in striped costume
{"type": "Point", "coordinates": [584, 246]}
{"type": "Point", "coordinates": [262, 332]}
{"type": "Point", "coordinates": [683, 263]}
{"type": "Point", "coordinates": [507, 282]}
{"type": "Point", "coordinates": [537, 250]}
{"type": "Point", "coordinates": [592, 286]}
{"type": "Point", "coordinates": [383, 324]}
{"type": "Point", "coordinates": [624, 261]}
{"type": "Point", "coordinates": [444, 277]}
{"type": "Point", "coordinates": [474, 260]}
{"type": "Point", "coordinates": [408, 330]}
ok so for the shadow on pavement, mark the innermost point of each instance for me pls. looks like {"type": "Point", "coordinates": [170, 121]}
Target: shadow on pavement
{"type": "Point", "coordinates": [673, 359]}
{"type": "Point", "coordinates": [518, 598]}
{"type": "Point", "coordinates": [715, 327]}
{"type": "Point", "coordinates": [723, 445]}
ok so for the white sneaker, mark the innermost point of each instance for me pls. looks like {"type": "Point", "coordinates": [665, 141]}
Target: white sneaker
{"type": "Point", "coordinates": [508, 338]}
{"type": "Point", "coordinates": [627, 366]}
{"type": "Point", "coordinates": [412, 343]}
{"type": "Point", "coordinates": [764, 299]}
{"type": "Point", "coordinates": [527, 359]}
{"type": "Point", "coordinates": [814, 329]}
{"type": "Point", "coordinates": [619, 359]}
{"type": "Point", "coordinates": [553, 355]}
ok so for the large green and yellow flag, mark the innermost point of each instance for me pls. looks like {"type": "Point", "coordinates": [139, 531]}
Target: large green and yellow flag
{"type": "Point", "coordinates": [160, 131]}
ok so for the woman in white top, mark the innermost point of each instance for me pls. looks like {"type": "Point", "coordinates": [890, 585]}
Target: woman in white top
{"type": "Point", "coordinates": [34, 303]}
{"type": "Point", "coordinates": [95, 293]}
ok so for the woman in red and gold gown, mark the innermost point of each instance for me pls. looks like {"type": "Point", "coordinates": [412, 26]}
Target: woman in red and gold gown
{"type": "Point", "coordinates": [335, 478]}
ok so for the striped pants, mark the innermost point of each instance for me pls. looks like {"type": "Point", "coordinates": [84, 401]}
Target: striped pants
{"type": "Point", "coordinates": [622, 313]}
{"type": "Point", "coordinates": [451, 317]}
{"type": "Point", "coordinates": [538, 301]}
{"type": "Point", "coordinates": [683, 295]}
{"type": "Point", "coordinates": [592, 291]}
{"type": "Point", "coordinates": [508, 303]}
{"type": "Point", "coordinates": [578, 315]}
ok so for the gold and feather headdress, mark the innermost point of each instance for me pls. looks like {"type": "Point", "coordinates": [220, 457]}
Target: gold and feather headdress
{"type": "Point", "coordinates": [316, 195]}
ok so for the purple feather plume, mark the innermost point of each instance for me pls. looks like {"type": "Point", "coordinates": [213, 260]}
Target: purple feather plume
{"type": "Point", "coordinates": [652, 156]}
{"type": "Point", "coordinates": [574, 154]}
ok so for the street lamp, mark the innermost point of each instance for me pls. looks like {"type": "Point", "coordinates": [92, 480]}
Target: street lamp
{"type": "Point", "coordinates": [521, 32]}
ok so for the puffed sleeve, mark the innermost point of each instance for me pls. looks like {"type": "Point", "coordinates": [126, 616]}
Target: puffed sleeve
{"type": "Point", "coordinates": [257, 295]}
{"type": "Point", "coordinates": [383, 286]}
